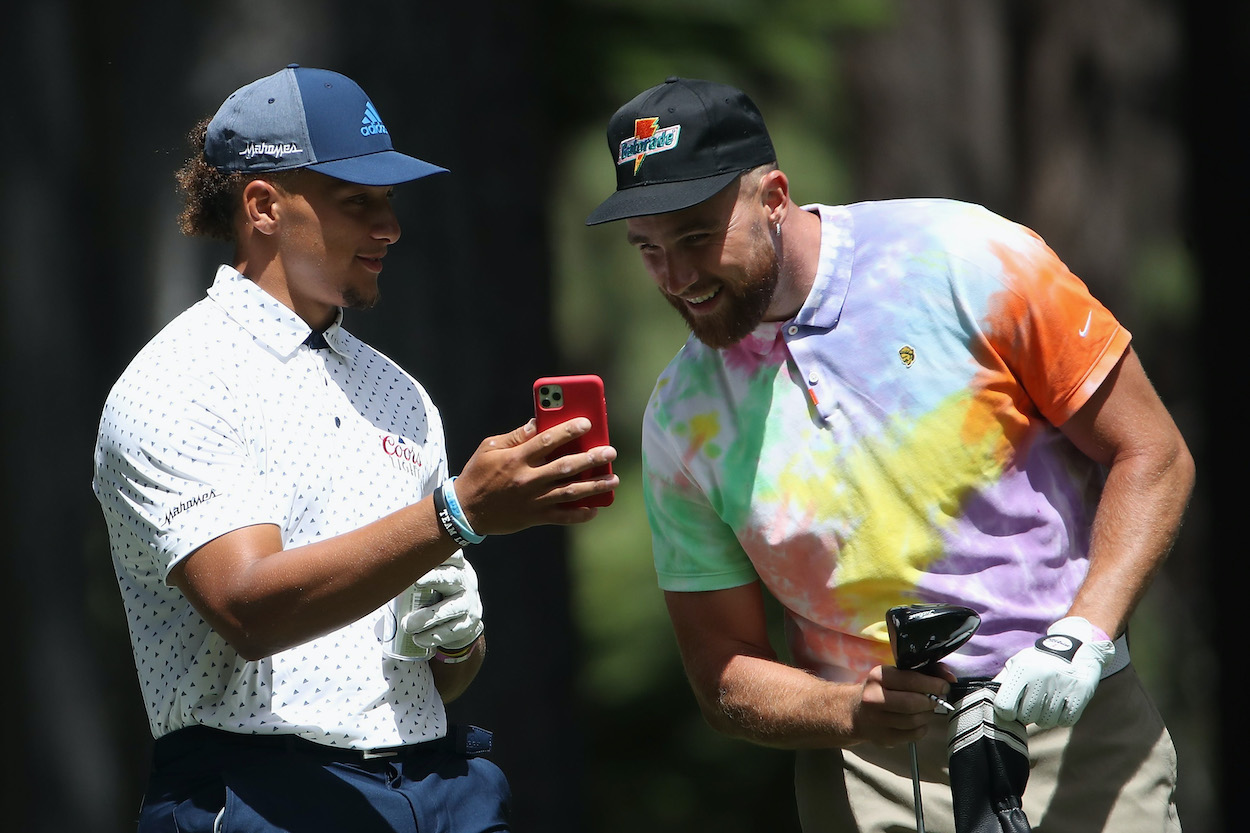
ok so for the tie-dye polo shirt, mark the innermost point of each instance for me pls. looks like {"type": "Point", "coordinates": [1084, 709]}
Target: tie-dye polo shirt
{"type": "Point", "coordinates": [894, 442]}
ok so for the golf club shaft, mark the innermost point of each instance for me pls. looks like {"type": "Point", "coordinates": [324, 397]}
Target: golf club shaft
{"type": "Point", "coordinates": [915, 787]}
{"type": "Point", "coordinates": [920, 635]}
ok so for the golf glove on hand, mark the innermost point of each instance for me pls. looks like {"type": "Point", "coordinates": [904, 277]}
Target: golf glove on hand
{"type": "Point", "coordinates": [1050, 683]}
{"type": "Point", "coordinates": [454, 621]}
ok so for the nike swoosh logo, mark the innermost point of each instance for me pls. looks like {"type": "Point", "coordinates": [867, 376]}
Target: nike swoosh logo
{"type": "Point", "coordinates": [1084, 331]}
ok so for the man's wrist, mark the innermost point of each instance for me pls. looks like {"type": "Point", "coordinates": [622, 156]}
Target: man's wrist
{"type": "Point", "coordinates": [1079, 627]}
{"type": "Point", "coordinates": [452, 517]}
{"type": "Point", "coordinates": [445, 520]}
{"type": "Point", "coordinates": [451, 656]}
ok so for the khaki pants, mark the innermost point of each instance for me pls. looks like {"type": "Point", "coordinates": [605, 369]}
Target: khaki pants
{"type": "Point", "coordinates": [1114, 771]}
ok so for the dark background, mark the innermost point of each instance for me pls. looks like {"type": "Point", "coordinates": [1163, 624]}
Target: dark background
{"type": "Point", "coordinates": [1115, 129]}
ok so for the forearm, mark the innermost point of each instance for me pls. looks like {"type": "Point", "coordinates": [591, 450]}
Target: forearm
{"type": "Point", "coordinates": [745, 692]}
{"type": "Point", "coordinates": [453, 679]}
{"type": "Point", "coordinates": [1150, 474]}
{"type": "Point", "coordinates": [1134, 527]}
{"type": "Point", "coordinates": [1136, 524]}
{"type": "Point", "coordinates": [264, 599]}
{"type": "Point", "coordinates": [772, 704]}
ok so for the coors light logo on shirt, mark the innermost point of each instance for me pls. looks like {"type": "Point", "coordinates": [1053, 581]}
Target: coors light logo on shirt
{"type": "Point", "coordinates": [403, 455]}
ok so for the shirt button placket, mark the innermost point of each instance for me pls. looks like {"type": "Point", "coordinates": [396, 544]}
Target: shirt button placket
{"type": "Point", "coordinates": [322, 358]}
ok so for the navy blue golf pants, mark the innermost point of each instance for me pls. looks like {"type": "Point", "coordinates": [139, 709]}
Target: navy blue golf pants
{"type": "Point", "coordinates": [207, 781]}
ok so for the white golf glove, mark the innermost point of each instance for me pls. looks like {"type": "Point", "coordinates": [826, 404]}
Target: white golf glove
{"type": "Point", "coordinates": [454, 621]}
{"type": "Point", "coordinates": [1050, 683]}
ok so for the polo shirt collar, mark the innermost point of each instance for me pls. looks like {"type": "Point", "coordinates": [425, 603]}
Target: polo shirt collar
{"type": "Point", "coordinates": [823, 307]}
{"type": "Point", "coordinates": [264, 317]}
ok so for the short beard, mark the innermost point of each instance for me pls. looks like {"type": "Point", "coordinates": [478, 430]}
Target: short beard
{"type": "Point", "coordinates": [744, 308]}
{"type": "Point", "coordinates": [355, 300]}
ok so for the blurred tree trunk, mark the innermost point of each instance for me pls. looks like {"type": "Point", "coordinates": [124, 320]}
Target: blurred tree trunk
{"type": "Point", "coordinates": [93, 266]}
{"type": "Point", "coordinates": [1060, 115]}
{"type": "Point", "coordinates": [1216, 96]}
{"type": "Point", "coordinates": [83, 124]}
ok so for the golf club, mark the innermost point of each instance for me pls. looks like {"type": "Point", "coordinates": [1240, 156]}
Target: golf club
{"type": "Point", "coordinates": [920, 635]}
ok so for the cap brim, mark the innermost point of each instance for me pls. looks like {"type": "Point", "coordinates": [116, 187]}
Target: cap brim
{"type": "Point", "coordinates": [659, 198]}
{"type": "Point", "coordinates": [386, 167]}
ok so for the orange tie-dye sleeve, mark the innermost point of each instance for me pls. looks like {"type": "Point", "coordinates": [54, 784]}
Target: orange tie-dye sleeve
{"type": "Point", "coordinates": [1055, 337]}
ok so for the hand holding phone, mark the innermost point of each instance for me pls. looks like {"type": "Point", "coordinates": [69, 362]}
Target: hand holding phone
{"type": "Point", "coordinates": [557, 399]}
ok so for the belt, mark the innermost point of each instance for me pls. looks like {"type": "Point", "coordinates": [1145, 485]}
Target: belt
{"type": "Point", "coordinates": [467, 741]}
{"type": "Point", "coordinates": [1121, 659]}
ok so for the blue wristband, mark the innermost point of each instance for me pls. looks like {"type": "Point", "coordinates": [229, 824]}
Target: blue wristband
{"type": "Point", "coordinates": [444, 518]}
{"type": "Point", "coordinates": [457, 514]}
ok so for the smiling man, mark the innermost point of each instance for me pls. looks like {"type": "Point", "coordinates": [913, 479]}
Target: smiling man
{"type": "Point", "coordinates": [682, 256]}
{"type": "Point", "coordinates": [277, 497]}
{"type": "Point", "coordinates": [884, 404]}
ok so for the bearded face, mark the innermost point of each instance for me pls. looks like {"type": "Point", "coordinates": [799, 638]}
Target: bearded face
{"type": "Point", "coordinates": [733, 305]}
{"type": "Point", "coordinates": [716, 262]}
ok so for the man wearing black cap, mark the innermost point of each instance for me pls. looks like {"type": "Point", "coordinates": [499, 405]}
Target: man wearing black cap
{"type": "Point", "coordinates": [884, 404]}
{"type": "Point", "coordinates": [285, 535]}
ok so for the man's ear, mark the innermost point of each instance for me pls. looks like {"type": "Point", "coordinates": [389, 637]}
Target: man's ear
{"type": "Point", "coordinates": [260, 206]}
{"type": "Point", "coordinates": [775, 195]}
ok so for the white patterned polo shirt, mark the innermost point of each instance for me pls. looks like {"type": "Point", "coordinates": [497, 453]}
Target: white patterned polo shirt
{"type": "Point", "coordinates": [228, 419]}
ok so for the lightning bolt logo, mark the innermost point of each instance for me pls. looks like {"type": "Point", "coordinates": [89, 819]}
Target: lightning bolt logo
{"type": "Point", "coordinates": [643, 129]}
{"type": "Point", "coordinates": [648, 138]}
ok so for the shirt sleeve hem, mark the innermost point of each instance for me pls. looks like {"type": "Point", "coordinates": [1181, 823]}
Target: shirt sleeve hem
{"type": "Point", "coordinates": [707, 581]}
{"type": "Point", "coordinates": [1116, 349]}
{"type": "Point", "coordinates": [183, 549]}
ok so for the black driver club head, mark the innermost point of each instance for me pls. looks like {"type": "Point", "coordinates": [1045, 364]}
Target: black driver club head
{"type": "Point", "coordinates": [921, 634]}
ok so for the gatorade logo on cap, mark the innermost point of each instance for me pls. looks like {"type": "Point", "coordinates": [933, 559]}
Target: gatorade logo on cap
{"type": "Point", "coordinates": [647, 140]}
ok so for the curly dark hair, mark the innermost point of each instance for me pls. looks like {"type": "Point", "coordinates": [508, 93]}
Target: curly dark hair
{"type": "Point", "coordinates": [210, 196]}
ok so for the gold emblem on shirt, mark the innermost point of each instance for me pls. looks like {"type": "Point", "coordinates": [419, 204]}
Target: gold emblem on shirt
{"type": "Point", "coordinates": [907, 354]}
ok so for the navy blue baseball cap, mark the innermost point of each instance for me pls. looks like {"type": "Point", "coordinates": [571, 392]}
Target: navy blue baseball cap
{"type": "Point", "coordinates": [678, 144]}
{"type": "Point", "coordinates": [301, 117]}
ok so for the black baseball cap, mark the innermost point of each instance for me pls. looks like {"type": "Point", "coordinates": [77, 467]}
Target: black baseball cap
{"type": "Point", "coordinates": [301, 117]}
{"type": "Point", "coordinates": [678, 144]}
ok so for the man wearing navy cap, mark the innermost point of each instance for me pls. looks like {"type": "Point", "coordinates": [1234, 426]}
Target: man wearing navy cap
{"type": "Point", "coordinates": [887, 404]}
{"type": "Point", "coordinates": [286, 538]}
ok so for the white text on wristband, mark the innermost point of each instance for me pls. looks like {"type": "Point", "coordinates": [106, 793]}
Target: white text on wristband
{"type": "Point", "coordinates": [457, 514]}
{"type": "Point", "coordinates": [444, 518]}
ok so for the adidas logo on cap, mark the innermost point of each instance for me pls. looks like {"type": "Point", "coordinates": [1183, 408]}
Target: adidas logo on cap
{"type": "Point", "coordinates": [372, 122]}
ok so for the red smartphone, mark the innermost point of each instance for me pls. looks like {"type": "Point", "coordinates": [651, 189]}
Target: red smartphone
{"type": "Point", "coordinates": [558, 399]}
